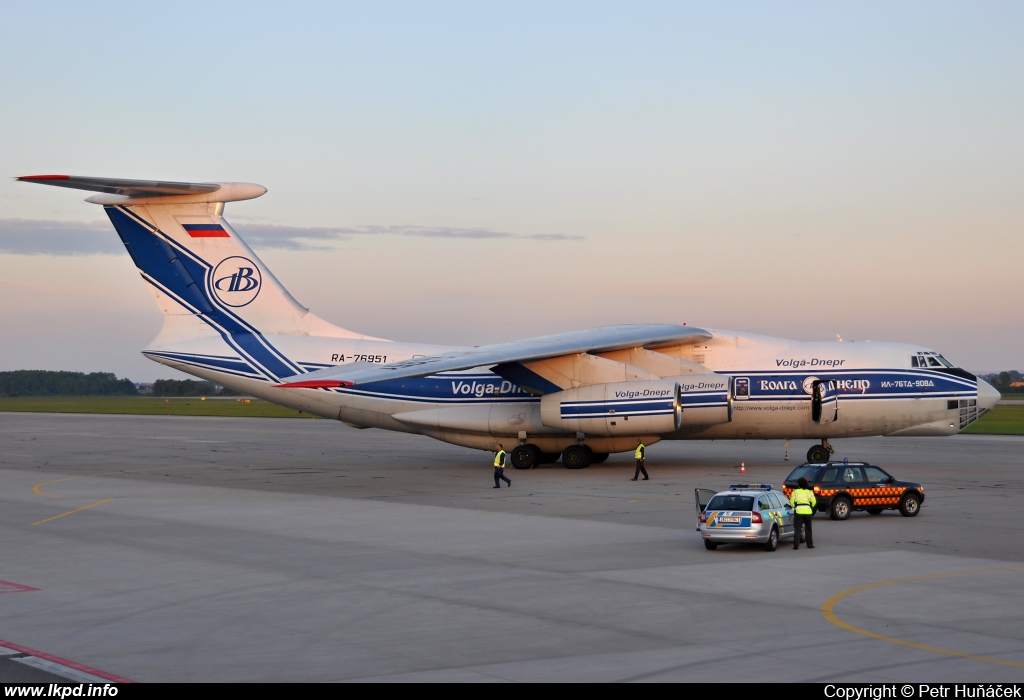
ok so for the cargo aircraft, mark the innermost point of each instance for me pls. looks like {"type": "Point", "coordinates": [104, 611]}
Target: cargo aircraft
{"type": "Point", "coordinates": [576, 396]}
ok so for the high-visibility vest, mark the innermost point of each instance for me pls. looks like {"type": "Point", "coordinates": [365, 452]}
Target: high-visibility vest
{"type": "Point", "coordinates": [804, 501]}
{"type": "Point", "coordinates": [499, 459]}
{"type": "Point", "coordinates": [639, 454]}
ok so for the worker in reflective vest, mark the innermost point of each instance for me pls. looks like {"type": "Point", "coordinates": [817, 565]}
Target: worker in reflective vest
{"type": "Point", "coordinates": [639, 456]}
{"type": "Point", "coordinates": [804, 503]}
{"type": "Point", "coordinates": [499, 468]}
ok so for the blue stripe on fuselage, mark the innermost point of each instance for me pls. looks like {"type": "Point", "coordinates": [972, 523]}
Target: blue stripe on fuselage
{"type": "Point", "coordinates": [612, 408]}
{"type": "Point", "coordinates": [856, 384]}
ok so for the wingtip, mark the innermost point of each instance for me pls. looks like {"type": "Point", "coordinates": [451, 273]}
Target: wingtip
{"type": "Point", "coordinates": [33, 178]}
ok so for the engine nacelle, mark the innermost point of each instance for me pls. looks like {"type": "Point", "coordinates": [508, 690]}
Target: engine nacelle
{"type": "Point", "coordinates": [621, 408]}
{"type": "Point", "coordinates": [640, 408]}
{"type": "Point", "coordinates": [706, 398]}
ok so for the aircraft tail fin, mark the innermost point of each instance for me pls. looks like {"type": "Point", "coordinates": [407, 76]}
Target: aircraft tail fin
{"type": "Point", "coordinates": [192, 260]}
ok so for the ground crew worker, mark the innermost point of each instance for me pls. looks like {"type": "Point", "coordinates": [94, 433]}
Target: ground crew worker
{"type": "Point", "coordinates": [499, 468]}
{"type": "Point", "coordinates": [804, 503]}
{"type": "Point", "coordinates": [639, 456]}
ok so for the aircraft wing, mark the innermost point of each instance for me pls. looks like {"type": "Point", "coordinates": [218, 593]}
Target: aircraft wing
{"type": "Point", "coordinates": [530, 350]}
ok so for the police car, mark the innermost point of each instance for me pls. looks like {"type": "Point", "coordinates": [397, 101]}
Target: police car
{"type": "Point", "coordinates": [843, 487]}
{"type": "Point", "coordinates": [745, 514]}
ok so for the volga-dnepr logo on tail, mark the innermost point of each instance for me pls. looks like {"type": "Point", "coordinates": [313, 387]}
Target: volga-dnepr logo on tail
{"type": "Point", "coordinates": [236, 281]}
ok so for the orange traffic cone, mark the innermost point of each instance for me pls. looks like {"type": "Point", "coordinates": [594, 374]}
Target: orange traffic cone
{"type": "Point", "coordinates": [743, 467]}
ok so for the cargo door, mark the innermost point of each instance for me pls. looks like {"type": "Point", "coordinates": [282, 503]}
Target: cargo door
{"type": "Point", "coordinates": [824, 402]}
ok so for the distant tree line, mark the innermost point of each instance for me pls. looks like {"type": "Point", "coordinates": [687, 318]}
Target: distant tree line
{"type": "Point", "coordinates": [1004, 381]}
{"type": "Point", "coordinates": [37, 382]}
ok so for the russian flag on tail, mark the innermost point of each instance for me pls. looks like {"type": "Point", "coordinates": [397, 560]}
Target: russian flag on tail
{"type": "Point", "coordinates": [206, 231]}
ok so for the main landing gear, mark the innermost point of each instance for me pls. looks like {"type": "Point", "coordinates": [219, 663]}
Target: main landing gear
{"type": "Point", "coordinates": [574, 457]}
{"type": "Point", "coordinates": [820, 453]}
{"type": "Point", "coordinates": [525, 456]}
{"type": "Point", "coordinates": [577, 457]}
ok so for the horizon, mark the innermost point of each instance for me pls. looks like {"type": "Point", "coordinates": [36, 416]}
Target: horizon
{"type": "Point", "coordinates": [463, 175]}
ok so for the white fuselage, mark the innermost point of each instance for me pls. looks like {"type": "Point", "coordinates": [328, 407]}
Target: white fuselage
{"type": "Point", "coordinates": [879, 392]}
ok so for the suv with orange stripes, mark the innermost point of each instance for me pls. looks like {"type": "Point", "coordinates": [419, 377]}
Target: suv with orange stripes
{"type": "Point", "coordinates": [843, 487]}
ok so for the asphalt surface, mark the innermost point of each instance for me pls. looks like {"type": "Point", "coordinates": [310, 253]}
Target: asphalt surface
{"type": "Point", "coordinates": [254, 550]}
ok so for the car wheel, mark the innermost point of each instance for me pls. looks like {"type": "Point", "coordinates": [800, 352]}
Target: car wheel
{"type": "Point", "coordinates": [773, 540]}
{"type": "Point", "coordinates": [840, 509]}
{"type": "Point", "coordinates": [708, 544]}
{"type": "Point", "coordinates": [910, 505]}
{"type": "Point", "coordinates": [875, 511]}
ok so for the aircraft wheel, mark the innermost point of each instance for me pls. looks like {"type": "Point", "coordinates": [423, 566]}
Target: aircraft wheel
{"type": "Point", "coordinates": [599, 457]}
{"type": "Point", "coordinates": [549, 457]}
{"type": "Point", "coordinates": [577, 456]}
{"type": "Point", "coordinates": [818, 453]}
{"type": "Point", "coordinates": [525, 456]}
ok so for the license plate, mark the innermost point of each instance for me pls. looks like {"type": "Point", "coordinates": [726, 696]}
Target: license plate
{"type": "Point", "coordinates": [728, 519]}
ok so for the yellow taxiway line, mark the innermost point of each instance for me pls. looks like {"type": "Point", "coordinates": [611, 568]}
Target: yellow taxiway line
{"type": "Point", "coordinates": [38, 488]}
{"type": "Point", "coordinates": [827, 609]}
{"type": "Point", "coordinates": [97, 503]}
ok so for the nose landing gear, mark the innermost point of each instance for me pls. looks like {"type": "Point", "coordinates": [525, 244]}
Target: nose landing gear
{"type": "Point", "coordinates": [820, 453]}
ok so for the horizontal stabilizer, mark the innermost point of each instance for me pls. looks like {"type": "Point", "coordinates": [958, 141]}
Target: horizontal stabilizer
{"type": "Point", "coordinates": [122, 191]}
{"type": "Point", "coordinates": [130, 188]}
{"type": "Point", "coordinates": [593, 340]}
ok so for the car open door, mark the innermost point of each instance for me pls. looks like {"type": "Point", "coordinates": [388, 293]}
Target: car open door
{"type": "Point", "coordinates": [701, 498]}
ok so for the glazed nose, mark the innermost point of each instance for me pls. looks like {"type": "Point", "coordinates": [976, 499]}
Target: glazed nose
{"type": "Point", "coordinates": [987, 395]}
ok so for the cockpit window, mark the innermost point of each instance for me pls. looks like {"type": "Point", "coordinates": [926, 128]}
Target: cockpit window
{"type": "Point", "coordinates": [930, 359]}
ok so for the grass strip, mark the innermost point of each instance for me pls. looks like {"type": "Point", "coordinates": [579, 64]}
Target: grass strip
{"type": "Point", "coordinates": [1004, 419]}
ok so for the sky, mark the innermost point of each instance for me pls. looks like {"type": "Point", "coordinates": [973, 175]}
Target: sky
{"type": "Point", "coordinates": [472, 173]}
